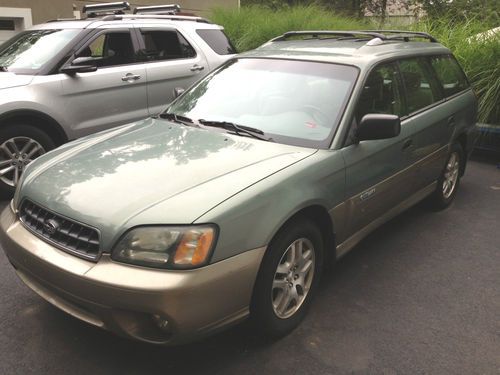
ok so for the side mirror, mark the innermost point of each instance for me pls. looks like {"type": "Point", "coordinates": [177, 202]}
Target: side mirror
{"type": "Point", "coordinates": [86, 60]}
{"type": "Point", "coordinates": [178, 91]}
{"type": "Point", "coordinates": [73, 69]}
{"type": "Point", "coordinates": [378, 126]}
{"type": "Point", "coordinates": [80, 65]}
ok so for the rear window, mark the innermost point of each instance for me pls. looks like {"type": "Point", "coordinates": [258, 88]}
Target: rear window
{"type": "Point", "coordinates": [166, 45]}
{"type": "Point", "coordinates": [450, 74]}
{"type": "Point", "coordinates": [217, 40]}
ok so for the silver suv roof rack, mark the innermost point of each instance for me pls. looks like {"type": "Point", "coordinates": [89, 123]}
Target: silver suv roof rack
{"type": "Point", "coordinates": [170, 9]}
{"type": "Point", "coordinates": [154, 16]}
{"type": "Point", "coordinates": [95, 10]}
{"type": "Point", "coordinates": [384, 35]}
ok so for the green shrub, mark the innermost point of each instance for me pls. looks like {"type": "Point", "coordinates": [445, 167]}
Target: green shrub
{"type": "Point", "coordinates": [252, 26]}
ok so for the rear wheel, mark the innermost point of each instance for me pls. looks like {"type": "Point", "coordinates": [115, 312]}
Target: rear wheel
{"type": "Point", "coordinates": [288, 278]}
{"type": "Point", "coordinates": [19, 146]}
{"type": "Point", "coordinates": [450, 179]}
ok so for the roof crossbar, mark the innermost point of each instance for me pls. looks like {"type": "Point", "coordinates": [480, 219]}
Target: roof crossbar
{"type": "Point", "coordinates": [153, 16]}
{"type": "Point", "coordinates": [170, 9]}
{"type": "Point", "coordinates": [94, 10]}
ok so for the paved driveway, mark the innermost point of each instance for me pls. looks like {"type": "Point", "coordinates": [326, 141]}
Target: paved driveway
{"type": "Point", "coordinates": [419, 295]}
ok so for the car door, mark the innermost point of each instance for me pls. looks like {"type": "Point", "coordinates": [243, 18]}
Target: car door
{"type": "Point", "coordinates": [376, 170]}
{"type": "Point", "coordinates": [171, 61]}
{"type": "Point", "coordinates": [429, 119]}
{"type": "Point", "coordinates": [112, 95]}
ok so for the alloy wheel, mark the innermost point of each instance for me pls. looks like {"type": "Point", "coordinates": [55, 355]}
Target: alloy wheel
{"type": "Point", "coordinates": [451, 175]}
{"type": "Point", "coordinates": [293, 278]}
{"type": "Point", "coordinates": [15, 154]}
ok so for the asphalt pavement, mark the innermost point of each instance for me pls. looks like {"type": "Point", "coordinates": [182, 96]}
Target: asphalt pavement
{"type": "Point", "coordinates": [420, 295]}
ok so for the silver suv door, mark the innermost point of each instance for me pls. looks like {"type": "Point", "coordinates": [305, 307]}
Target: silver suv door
{"type": "Point", "coordinates": [114, 94]}
{"type": "Point", "coordinates": [171, 61]}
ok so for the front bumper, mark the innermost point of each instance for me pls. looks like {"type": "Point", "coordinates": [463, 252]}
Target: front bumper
{"type": "Point", "coordinates": [156, 306]}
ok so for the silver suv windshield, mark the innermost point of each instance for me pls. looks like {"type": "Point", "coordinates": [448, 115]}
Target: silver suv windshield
{"type": "Point", "coordinates": [293, 102]}
{"type": "Point", "coordinates": [29, 51]}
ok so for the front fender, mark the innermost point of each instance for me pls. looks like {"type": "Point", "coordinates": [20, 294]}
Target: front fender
{"type": "Point", "coordinates": [251, 218]}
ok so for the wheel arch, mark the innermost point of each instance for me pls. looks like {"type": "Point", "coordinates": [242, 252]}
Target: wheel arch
{"type": "Point", "coordinates": [43, 121]}
{"type": "Point", "coordinates": [319, 215]}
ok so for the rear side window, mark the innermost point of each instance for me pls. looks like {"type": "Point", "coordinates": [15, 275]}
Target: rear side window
{"type": "Point", "coordinates": [450, 74]}
{"type": "Point", "coordinates": [421, 88]}
{"type": "Point", "coordinates": [217, 40]}
{"type": "Point", "coordinates": [166, 45]}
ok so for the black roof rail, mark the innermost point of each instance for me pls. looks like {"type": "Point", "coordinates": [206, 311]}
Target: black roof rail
{"type": "Point", "coordinates": [170, 9]}
{"type": "Point", "coordinates": [339, 33]}
{"type": "Point", "coordinates": [405, 35]}
{"type": "Point", "coordinates": [383, 35]}
{"type": "Point", "coordinates": [95, 10]}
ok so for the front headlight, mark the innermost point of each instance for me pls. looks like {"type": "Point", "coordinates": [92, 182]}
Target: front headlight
{"type": "Point", "coordinates": [166, 247]}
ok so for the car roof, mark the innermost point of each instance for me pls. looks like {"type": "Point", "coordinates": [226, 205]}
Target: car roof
{"type": "Point", "coordinates": [358, 52]}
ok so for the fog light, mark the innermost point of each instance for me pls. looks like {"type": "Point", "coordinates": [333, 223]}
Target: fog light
{"type": "Point", "coordinates": [161, 323]}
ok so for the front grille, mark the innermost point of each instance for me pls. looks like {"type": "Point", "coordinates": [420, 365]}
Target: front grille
{"type": "Point", "coordinates": [62, 232]}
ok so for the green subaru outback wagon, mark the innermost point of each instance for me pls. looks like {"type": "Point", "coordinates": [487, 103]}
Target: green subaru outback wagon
{"type": "Point", "coordinates": [230, 203]}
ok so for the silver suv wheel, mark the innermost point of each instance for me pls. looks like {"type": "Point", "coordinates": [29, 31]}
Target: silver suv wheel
{"type": "Point", "coordinates": [15, 154]}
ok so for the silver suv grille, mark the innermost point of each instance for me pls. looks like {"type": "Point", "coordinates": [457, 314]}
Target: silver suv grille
{"type": "Point", "coordinates": [62, 232]}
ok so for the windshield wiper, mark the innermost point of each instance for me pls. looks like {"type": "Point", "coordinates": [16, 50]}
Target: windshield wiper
{"type": "Point", "coordinates": [177, 118]}
{"type": "Point", "coordinates": [238, 129]}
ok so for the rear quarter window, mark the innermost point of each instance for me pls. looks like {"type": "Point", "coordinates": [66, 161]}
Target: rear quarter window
{"type": "Point", "coordinates": [450, 75]}
{"type": "Point", "coordinates": [217, 40]}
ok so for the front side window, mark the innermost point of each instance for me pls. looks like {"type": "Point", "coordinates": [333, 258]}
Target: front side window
{"type": "Point", "coordinates": [29, 51]}
{"type": "Point", "coordinates": [110, 49]}
{"type": "Point", "coordinates": [293, 102]}
{"type": "Point", "coordinates": [381, 93]}
{"type": "Point", "coordinates": [450, 74]}
{"type": "Point", "coordinates": [421, 90]}
{"type": "Point", "coordinates": [166, 45]}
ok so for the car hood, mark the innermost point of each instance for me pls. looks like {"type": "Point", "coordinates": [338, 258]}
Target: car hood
{"type": "Point", "coordinates": [152, 172]}
{"type": "Point", "coordinates": [8, 80]}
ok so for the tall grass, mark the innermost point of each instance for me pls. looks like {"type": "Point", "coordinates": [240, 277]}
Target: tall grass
{"type": "Point", "coordinates": [252, 26]}
{"type": "Point", "coordinates": [479, 56]}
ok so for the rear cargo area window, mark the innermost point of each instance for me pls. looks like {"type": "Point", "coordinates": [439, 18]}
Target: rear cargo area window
{"type": "Point", "coordinates": [217, 40]}
{"type": "Point", "coordinates": [450, 74]}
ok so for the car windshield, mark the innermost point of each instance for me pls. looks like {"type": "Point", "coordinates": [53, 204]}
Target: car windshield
{"type": "Point", "coordinates": [293, 102]}
{"type": "Point", "coordinates": [29, 51]}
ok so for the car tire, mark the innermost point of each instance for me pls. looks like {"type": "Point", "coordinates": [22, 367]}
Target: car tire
{"type": "Point", "coordinates": [449, 180]}
{"type": "Point", "coordinates": [283, 276]}
{"type": "Point", "coordinates": [14, 139]}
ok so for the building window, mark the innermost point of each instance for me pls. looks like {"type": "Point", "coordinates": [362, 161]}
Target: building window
{"type": "Point", "coordinates": [7, 25]}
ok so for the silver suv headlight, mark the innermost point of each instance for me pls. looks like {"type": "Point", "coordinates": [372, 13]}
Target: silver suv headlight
{"type": "Point", "coordinates": [171, 247]}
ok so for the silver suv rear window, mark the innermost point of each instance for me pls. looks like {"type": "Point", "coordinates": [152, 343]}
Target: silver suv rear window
{"type": "Point", "coordinates": [217, 40]}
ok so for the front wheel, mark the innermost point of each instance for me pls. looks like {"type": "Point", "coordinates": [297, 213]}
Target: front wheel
{"type": "Point", "coordinates": [288, 278]}
{"type": "Point", "coordinates": [19, 146]}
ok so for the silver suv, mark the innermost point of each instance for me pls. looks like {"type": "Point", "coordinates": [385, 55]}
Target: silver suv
{"type": "Point", "coordinates": [68, 78]}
